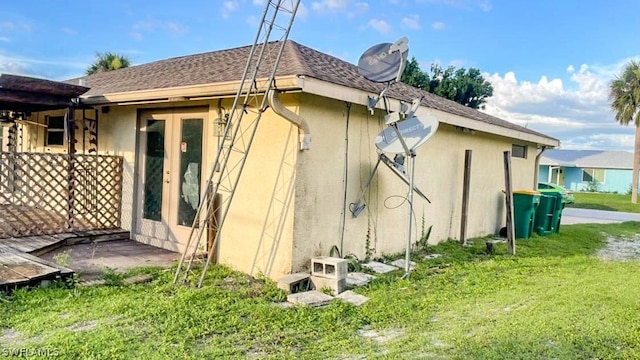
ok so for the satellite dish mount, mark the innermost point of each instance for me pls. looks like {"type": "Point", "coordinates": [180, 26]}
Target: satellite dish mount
{"type": "Point", "coordinates": [384, 63]}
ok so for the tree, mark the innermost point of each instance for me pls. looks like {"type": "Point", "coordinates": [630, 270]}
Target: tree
{"type": "Point", "coordinates": [465, 86]}
{"type": "Point", "coordinates": [108, 61]}
{"type": "Point", "coordinates": [624, 95]}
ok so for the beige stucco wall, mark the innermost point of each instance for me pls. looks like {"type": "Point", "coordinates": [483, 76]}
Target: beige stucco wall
{"type": "Point", "coordinates": [258, 233]}
{"type": "Point", "coordinates": [289, 203]}
{"type": "Point", "coordinates": [439, 174]}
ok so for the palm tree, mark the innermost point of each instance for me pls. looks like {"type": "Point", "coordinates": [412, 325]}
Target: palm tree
{"type": "Point", "coordinates": [108, 61]}
{"type": "Point", "coordinates": [624, 95]}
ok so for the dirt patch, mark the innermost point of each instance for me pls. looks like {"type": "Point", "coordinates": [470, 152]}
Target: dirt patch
{"type": "Point", "coordinates": [621, 249]}
{"type": "Point", "coordinates": [10, 336]}
{"type": "Point", "coordinates": [83, 326]}
{"type": "Point", "coordinates": [381, 336]}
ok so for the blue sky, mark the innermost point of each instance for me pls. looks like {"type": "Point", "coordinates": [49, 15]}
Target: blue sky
{"type": "Point", "coordinates": [549, 61]}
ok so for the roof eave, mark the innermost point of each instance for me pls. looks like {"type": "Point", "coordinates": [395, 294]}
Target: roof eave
{"type": "Point", "coordinates": [183, 93]}
{"type": "Point", "coordinates": [344, 93]}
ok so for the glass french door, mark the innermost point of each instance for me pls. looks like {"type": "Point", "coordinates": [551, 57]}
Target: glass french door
{"type": "Point", "coordinates": [171, 162]}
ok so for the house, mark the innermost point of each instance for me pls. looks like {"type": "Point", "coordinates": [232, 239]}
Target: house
{"type": "Point", "coordinates": [165, 119]}
{"type": "Point", "coordinates": [588, 170]}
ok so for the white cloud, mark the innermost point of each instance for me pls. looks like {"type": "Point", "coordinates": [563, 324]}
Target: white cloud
{"type": "Point", "coordinates": [330, 5]}
{"type": "Point", "coordinates": [348, 7]}
{"type": "Point", "coordinates": [4, 39]}
{"type": "Point", "coordinates": [69, 31]}
{"type": "Point", "coordinates": [7, 25]}
{"type": "Point", "coordinates": [574, 110]}
{"type": "Point", "coordinates": [438, 25]}
{"type": "Point", "coordinates": [302, 12]}
{"type": "Point", "coordinates": [361, 7]}
{"type": "Point", "coordinates": [411, 21]}
{"type": "Point", "coordinates": [485, 6]}
{"type": "Point", "coordinates": [380, 25]}
{"type": "Point", "coordinates": [228, 7]}
{"type": "Point", "coordinates": [252, 20]}
{"type": "Point", "coordinates": [152, 25]}
{"type": "Point", "coordinates": [176, 29]}
{"type": "Point", "coordinates": [9, 67]}
{"type": "Point", "coordinates": [258, 2]}
{"type": "Point", "coordinates": [136, 35]}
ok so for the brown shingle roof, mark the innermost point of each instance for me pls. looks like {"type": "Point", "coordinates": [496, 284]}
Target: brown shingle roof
{"type": "Point", "coordinates": [228, 65]}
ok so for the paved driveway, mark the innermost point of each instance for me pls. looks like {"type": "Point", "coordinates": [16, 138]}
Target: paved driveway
{"type": "Point", "coordinates": [585, 216]}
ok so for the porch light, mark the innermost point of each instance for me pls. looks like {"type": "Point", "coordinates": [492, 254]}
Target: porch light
{"type": "Point", "coordinates": [219, 125]}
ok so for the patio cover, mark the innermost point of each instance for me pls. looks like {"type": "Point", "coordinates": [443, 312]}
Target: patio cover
{"type": "Point", "coordinates": [22, 93]}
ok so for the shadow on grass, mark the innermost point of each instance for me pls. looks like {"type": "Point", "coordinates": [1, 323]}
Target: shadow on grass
{"type": "Point", "coordinates": [572, 240]}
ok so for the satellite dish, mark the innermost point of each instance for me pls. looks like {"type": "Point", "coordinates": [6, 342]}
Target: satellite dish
{"type": "Point", "coordinates": [382, 63]}
{"type": "Point", "coordinates": [415, 131]}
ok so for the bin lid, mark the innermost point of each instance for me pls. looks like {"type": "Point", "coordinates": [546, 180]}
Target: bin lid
{"type": "Point", "coordinates": [526, 192]}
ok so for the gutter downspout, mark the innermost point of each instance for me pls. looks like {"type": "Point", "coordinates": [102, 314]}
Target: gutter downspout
{"type": "Point", "coordinates": [536, 171]}
{"type": "Point", "coordinates": [303, 127]}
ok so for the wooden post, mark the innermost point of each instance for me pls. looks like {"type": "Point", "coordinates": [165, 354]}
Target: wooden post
{"type": "Point", "coordinates": [71, 150]}
{"type": "Point", "coordinates": [465, 197]}
{"type": "Point", "coordinates": [511, 242]}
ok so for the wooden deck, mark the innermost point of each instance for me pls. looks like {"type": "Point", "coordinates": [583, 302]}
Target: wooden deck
{"type": "Point", "coordinates": [21, 266]}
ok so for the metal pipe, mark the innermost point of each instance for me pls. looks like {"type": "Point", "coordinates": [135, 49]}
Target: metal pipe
{"type": "Point", "coordinates": [536, 170]}
{"type": "Point", "coordinates": [303, 128]}
{"type": "Point", "coordinates": [407, 258]}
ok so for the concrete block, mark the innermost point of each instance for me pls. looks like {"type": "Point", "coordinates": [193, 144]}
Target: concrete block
{"type": "Point", "coordinates": [329, 267]}
{"type": "Point", "coordinates": [379, 267]}
{"type": "Point", "coordinates": [352, 298]}
{"type": "Point", "coordinates": [401, 263]}
{"type": "Point", "coordinates": [310, 298]}
{"type": "Point", "coordinates": [294, 283]}
{"type": "Point", "coordinates": [336, 286]}
{"type": "Point", "coordinates": [359, 279]}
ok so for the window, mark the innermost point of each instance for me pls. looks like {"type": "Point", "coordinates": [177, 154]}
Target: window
{"type": "Point", "coordinates": [519, 151]}
{"type": "Point", "coordinates": [593, 175]}
{"type": "Point", "coordinates": [55, 131]}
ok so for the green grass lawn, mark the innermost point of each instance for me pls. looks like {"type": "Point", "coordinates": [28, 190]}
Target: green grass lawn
{"type": "Point", "coordinates": [602, 201]}
{"type": "Point", "coordinates": [555, 299]}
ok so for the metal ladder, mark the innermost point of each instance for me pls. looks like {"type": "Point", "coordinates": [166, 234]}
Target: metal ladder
{"type": "Point", "coordinates": [238, 136]}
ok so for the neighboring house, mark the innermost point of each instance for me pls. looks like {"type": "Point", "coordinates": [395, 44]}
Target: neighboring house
{"type": "Point", "coordinates": [164, 119]}
{"type": "Point", "coordinates": [588, 170]}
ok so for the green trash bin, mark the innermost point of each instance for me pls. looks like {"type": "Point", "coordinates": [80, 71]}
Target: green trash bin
{"type": "Point", "coordinates": [525, 203]}
{"type": "Point", "coordinates": [543, 223]}
{"type": "Point", "coordinates": [559, 204]}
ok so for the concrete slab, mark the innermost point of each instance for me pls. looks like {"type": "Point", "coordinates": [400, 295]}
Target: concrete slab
{"type": "Point", "coordinates": [379, 267]}
{"type": "Point", "coordinates": [401, 263]}
{"type": "Point", "coordinates": [352, 298]}
{"type": "Point", "coordinates": [359, 279]}
{"type": "Point", "coordinates": [121, 255]}
{"type": "Point", "coordinates": [310, 298]}
{"type": "Point", "coordinates": [432, 256]}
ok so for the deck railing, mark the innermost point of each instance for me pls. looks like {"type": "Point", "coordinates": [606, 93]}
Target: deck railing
{"type": "Point", "coordinates": [44, 193]}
